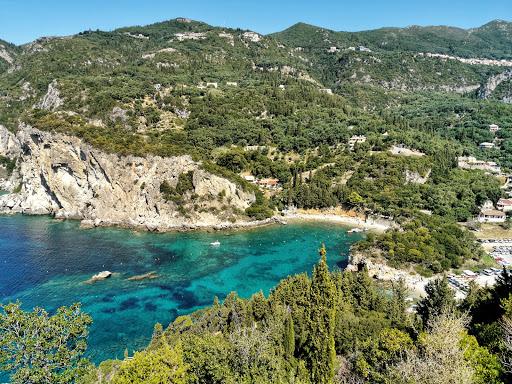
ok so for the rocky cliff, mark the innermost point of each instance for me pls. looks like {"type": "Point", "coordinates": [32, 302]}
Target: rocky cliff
{"type": "Point", "coordinates": [492, 83]}
{"type": "Point", "coordinates": [63, 176]}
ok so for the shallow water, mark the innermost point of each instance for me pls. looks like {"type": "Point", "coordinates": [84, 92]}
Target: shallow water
{"type": "Point", "coordinates": [44, 262]}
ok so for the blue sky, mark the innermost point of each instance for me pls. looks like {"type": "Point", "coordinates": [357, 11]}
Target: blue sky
{"type": "Point", "coordinates": [22, 21]}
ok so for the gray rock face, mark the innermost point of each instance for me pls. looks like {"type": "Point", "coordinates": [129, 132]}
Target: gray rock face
{"type": "Point", "coordinates": [4, 54]}
{"type": "Point", "coordinates": [9, 144]}
{"type": "Point", "coordinates": [416, 178]}
{"type": "Point", "coordinates": [61, 175]}
{"type": "Point", "coordinates": [52, 100]}
{"type": "Point", "coordinates": [10, 148]}
{"type": "Point", "coordinates": [486, 90]}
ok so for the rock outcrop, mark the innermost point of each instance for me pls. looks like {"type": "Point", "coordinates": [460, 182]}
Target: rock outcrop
{"type": "Point", "coordinates": [9, 144]}
{"type": "Point", "coordinates": [51, 100]}
{"type": "Point", "coordinates": [494, 81]}
{"type": "Point", "coordinates": [5, 55]}
{"type": "Point", "coordinates": [63, 176]}
{"type": "Point", "coordinates": [9, 148]}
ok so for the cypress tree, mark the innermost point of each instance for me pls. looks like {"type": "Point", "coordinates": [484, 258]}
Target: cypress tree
{"type": "Point", "coordinates": [157, 337]}
{"type": "Point", "coordinates": [321, 352]}
{"type": "Point", "coordinates": [289, 338]}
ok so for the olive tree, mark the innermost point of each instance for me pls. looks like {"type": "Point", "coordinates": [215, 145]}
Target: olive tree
{"type": "Point", "coordinates": [39, 348]}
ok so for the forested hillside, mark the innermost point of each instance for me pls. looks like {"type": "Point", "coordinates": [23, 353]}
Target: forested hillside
{"type": "Point", "coordinates": [285, 106]}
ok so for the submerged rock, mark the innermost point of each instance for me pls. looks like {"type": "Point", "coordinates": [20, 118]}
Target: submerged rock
{"type": "Point", "coordinates": [147, 276]}
{"type": "Point", "coordinates": [100, 276]}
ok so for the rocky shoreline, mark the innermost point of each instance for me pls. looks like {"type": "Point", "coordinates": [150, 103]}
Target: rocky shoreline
{"type": "Point", "coordinates": [240, 225]}
{"type": "Point", "coordinates": [379, 270]}
{"type": "Point", "coordinates": [64, 177]}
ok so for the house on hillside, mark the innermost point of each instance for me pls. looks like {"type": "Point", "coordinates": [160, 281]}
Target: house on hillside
{"type": "Point", "coordinates": [357, 139]}
{"type": "Point", "coordinates": [470, 162]}
{"type": "Point", "coordinates": [491, 216]}
{"type": "Point", "coordinates": [269, 183]}
{"type": "Point", "coordinates": [486, 145]}
{"type": "Point", "coordinates": [504, 205]}
{"type": "Point", "coordinates": [494, 128]}
{"type": "Point", "coordinates": [362, 48]}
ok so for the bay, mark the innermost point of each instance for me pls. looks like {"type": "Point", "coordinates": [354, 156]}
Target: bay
{"type": "Point", "coordinates": [46, 262]}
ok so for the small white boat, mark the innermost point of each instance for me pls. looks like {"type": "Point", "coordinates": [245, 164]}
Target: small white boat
{"type": "Point", "coordinates": [355, 230]}
{"type": "Point", "coordinates": [215, 243]}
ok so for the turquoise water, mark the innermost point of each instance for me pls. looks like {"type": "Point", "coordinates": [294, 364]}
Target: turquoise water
{"type": "Point", "coordinates": [45, 262]}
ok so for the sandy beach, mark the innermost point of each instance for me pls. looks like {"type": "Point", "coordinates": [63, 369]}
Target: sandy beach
{"type": "Point", "coordinates": [341, 217]}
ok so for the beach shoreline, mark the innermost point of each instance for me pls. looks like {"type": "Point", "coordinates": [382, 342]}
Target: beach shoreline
{"type": "Point", "coordinates": [370, 224]}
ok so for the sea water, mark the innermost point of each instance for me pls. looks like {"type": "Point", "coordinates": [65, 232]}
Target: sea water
{"type": "Point", "coordinates": [46, 263]}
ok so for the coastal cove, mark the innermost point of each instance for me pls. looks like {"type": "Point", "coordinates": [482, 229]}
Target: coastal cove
{"type": "Point", "coordinates": [46, 262]}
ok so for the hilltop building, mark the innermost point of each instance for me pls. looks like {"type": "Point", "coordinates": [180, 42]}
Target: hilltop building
{"type": "Point", "coordinates": [269, 183]}
{"type": "Point", "coordinates": [491, 216]}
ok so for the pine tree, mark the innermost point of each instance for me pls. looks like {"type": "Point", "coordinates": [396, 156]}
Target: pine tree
{"type": "Point", "coordinates": [440, 300]}
{"type": "Point", "coordinates": [321, 353]}
{"type": "Point", "coordinates": [397, 310]}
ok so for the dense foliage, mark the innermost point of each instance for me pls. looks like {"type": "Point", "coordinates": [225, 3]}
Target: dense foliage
{"type": "Point", "coordinates": [332, 327]}
{"type": "Point", "coordinates": [335, 327]}
{"type": "Point", "coordinates": [41, 348]}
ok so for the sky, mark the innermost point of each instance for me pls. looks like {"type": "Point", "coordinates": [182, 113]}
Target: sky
{"type": "Point", "coordinates": [22, 21]}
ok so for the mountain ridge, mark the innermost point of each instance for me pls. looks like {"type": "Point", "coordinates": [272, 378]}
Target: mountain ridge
{"type": "Point", "coordinates": [491, 23]}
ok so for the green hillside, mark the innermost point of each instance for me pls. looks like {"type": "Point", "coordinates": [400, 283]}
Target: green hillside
{"type": "Point", "coordinates": [492, 40]}
{"type": "Point", "coordinates": [185, 87]}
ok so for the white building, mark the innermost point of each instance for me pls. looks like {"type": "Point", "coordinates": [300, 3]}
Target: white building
{"type": "Point", "coordinates": [362, 48]}
{"type": "Point", "coordinates": [504, 205]}
{"type": "Point", "coordinates": [486, 145]}
{"type": "Point", "coordinates": [357, 139]}
{"type": "Point", "coordinates": [494, 128]}
{"type": "Point", "coordinates": [471, 162]}
{"type": "Point", "coordinates": [491, 216]}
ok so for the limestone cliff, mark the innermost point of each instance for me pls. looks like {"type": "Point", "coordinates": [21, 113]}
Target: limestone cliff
{"type": "Point", "coordinates": [63, 176]}
{"type": "Point", "coordinates": [492, 83]}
